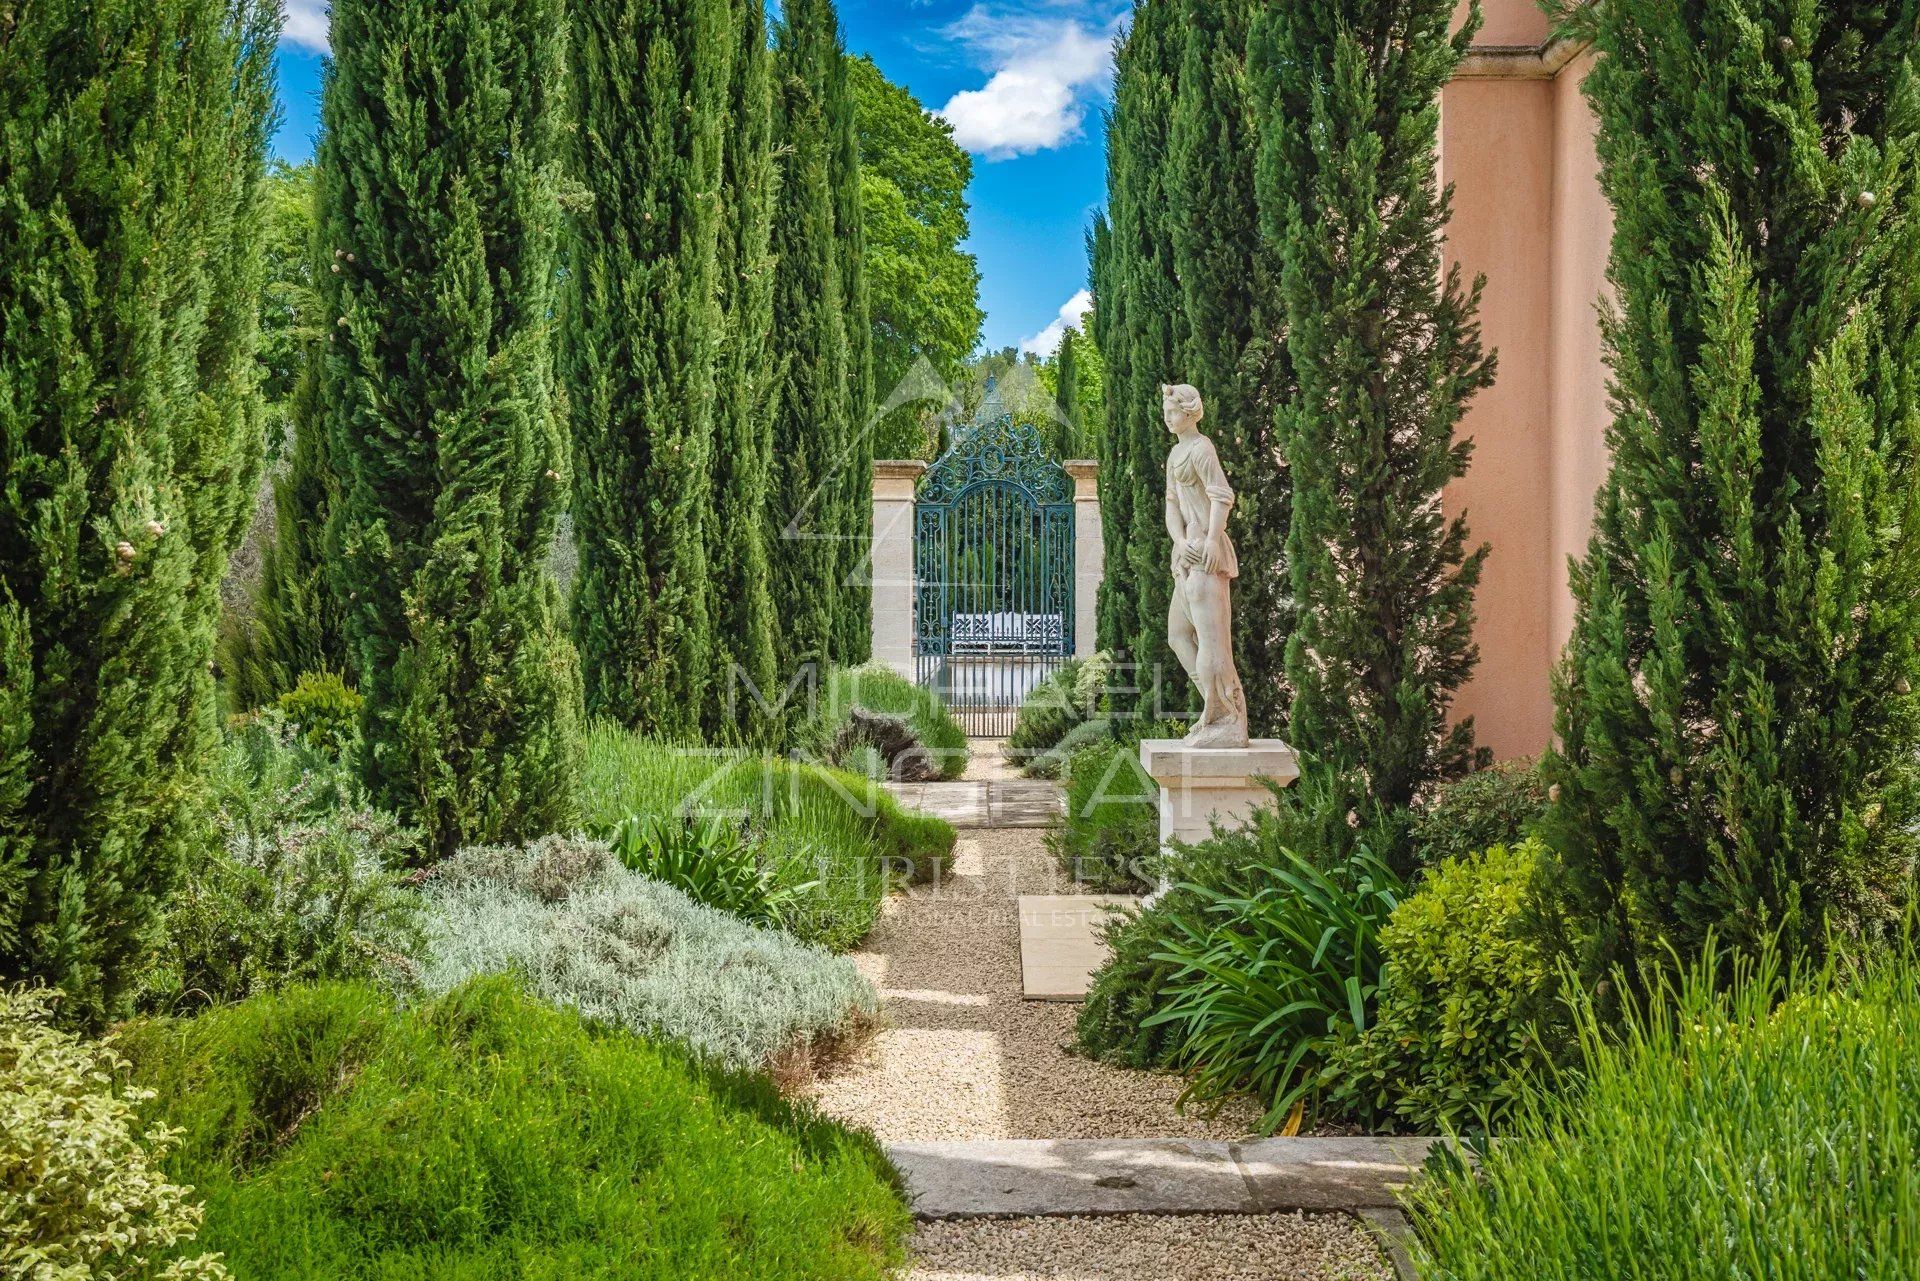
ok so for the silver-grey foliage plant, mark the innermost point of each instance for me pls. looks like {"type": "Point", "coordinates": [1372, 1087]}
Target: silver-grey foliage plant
{"type": "Point", "coordinates": [579, 929]}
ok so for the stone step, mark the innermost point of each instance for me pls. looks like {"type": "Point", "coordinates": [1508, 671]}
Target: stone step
{"type": "Point", "coordinates": [1047, 1177]}
{"type": "Point", "coordinates": [975, 804]}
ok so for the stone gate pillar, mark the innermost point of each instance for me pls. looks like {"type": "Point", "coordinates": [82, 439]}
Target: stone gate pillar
{"type": "Point", "coordinates": [892, 562]}
{"type": "Point", "coordinates": [1089, 554]}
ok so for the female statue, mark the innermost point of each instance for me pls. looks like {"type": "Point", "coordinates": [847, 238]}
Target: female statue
{"type": "Point", "coordinates": [1200, 617]}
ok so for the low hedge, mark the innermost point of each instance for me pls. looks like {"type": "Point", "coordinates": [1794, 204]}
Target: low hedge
{"type": "Point", "coordinates": [1110, 835]}
{"type": "Point", "coordinates": [487, 1135]}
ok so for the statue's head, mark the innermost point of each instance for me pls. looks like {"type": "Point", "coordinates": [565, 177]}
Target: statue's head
{"type": "Point", "coordinates": [1181, 406]}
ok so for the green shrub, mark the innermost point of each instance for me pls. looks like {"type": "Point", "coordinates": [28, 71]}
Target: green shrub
{"type": "Point", "coordinates": [874, 688]}
{"type": "Point", "coordinates": [1112, 1022]}
{"type": "Point", "coordinates": [1269, 981]}
{"type": "Point", "coordinates": [1465, 1012]}
{"type": "Point", "coordinates": [1494, 806]}
{"type": "Point", "coordinates": [486, 1135]}
{"type": "Point", "coordinates": [1052, 763]}
{"type": "Point", "coordinates": [82, 1190]}
{"type": "Point", "coordinates": [1071, 694]}
{"type": "Point", "coordinates": [1766, 1132]}
{"type": "Point", "coordinates": [842, 836]}
{"type": "Point", "coordinates": [306, 884]}
{"type": "Point", "coordinates": [325, 710]}
{"type": "Point", "coordinates": [715, 861]}
{"type": "Point", "coordinates": [583, 931]}
{"type": "Point", "coordinates": [1110, 836]}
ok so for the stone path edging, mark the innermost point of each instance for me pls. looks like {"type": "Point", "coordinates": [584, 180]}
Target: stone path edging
{"type": "Point", "coordinates": [1038, 1178]}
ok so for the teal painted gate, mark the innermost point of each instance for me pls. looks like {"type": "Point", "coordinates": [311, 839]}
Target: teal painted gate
{"type": "Point", "coordinates": [993, 571]}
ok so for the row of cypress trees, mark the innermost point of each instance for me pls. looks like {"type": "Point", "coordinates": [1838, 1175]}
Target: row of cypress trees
{"type": "Point", "coordinates": [603, 256]}
{"type": "Point", "coordinates": [1273, 236]}
{"type": "Point", "coordinates": [653, 318]}
{"type": "Point", "coordinates": [1738, 752]}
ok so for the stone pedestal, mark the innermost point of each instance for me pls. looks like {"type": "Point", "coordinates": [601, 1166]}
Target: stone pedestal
{"type": "Point", "coordinates": [892, 562]}
{"type": "Point", "coordinates": [1204, 786]}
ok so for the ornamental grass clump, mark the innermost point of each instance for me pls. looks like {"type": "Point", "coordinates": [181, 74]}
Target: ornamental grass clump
{"type": "Point", "coordinates": [877, 689]}
{"type": "Point", "coordinates": [583, 931]}
{"type": "Point", "coordinates": [1765, 1131]}
{"type": "Point", "coordinates": [84, 1194]}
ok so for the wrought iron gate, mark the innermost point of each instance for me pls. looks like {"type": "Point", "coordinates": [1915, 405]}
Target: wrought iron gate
{"type": "Point", "coordinates": [993, 572]}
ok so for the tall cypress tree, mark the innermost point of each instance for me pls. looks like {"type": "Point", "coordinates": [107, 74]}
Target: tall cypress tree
{"type": "Point", "coordinates": [1386, 351]}
{"type": "Point", "coordinates": [443, 206]}
{"type": "Point", "coordinates": [650, 84]}
{"type": "Point", "coordinates": [745, 628]}
{"type": "Point", "coordinates": [1229, 351]}
{"type": "Point", "coordinates": [1737, 709]}
{"type": "Point", "coordinates": [131, 160]}
{"type": "Point", "coordinates": [813, 426]}
{"type": "Point", "coordinates": [1142, 315]}
{"type": "Point", "coordinates": [853, 630]}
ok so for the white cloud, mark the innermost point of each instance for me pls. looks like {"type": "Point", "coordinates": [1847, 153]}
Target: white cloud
{"type": "Point", "coordinates": [1072, 312]}
{"type": "Point", "coordinates": [1045, 71]}
{"type": "Point", "coordinates": [306, 24]}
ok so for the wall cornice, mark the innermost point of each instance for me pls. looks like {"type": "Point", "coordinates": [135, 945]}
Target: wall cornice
{"type": "Point", "coordinates": [1519, 61]}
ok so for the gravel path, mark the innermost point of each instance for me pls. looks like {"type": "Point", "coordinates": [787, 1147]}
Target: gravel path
{"type": "Point", "coordinates": [1264, 1247]}
{"type": "Point", "coordinates": [962, 1055]}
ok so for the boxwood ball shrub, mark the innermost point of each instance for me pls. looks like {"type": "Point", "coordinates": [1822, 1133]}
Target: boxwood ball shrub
{"type": "Point", "coordinates": [1498, 805]}
{"type": "Point", "coordinates": [1766, 1132]}
{"type": "Point", "coordinates": [1466, 1015]}
{"type": "Point", "coordinates": [324, 708]}
{"type": "Point", "coordinates": [488, 1135]}
{"type": "Point", "coordinates": [581, 930]}
{"type": "Point", "coordinates": [84, 1190]}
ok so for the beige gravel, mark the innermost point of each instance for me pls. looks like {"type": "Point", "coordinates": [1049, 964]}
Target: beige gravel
{"type": "Point", "coordinates": [963, 1056]}
{"type": "Point", "coordinates": [1266, 1247]}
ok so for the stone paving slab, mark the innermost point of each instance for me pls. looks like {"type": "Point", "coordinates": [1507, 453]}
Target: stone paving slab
{"type": "Point", "coordinates": [1060, 943]}
{"type": "Point", "coordinates": [1045, 1177]}
{"type": "Point", "coordinates": [974, 804]}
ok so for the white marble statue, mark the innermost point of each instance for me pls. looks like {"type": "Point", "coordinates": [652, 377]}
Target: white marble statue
{"type": "Point", "coordinates": [1200, 617]}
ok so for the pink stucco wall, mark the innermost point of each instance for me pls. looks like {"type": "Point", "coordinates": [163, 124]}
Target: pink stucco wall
{"type": "Point", "coordinates": [1517, 144]}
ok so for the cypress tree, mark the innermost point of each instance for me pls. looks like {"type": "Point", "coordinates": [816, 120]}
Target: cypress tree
{"type": "Point", "coordinates": [1066, 397]}
{"type": "Point", "coordinates": [650, 82]}
{"type": "Point", "coordinates": [1386, 352]}
{"type": "Point", "coordinates": [442, 211]}
{"type": "Point", "coordinates": [1142, 315]}
{"type": "Point", "coordinates": [1737, 709]}
{"type": "Point", "coordinates": [745, 628]}
{"type": "Point", "coordinates": [853, 630]}
{"type": "Point", "coordinates": [132, 152]}
{"type": "Point", "coordinates": [813, 427]}
{"type": "Point", "coordinates": [1228, 350]}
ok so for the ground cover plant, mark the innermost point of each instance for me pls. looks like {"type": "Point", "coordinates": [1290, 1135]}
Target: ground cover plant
{"type": "Point", "coordinates": [881, 690]}
{"type": "Point", "coordinates": [582, 930]}
{"type": "Point", "coordinates": [486, 1134]}
{"type": "Point", "coordinates": [83, 1191]}
{"type": "Point", "coordinates": [1768, 1131]}
{"type": "Point", "coordinates": [843, 835]}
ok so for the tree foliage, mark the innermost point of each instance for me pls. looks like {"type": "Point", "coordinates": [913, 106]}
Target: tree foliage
{"type": "Point", "coordinates": [133, 141]}
{"type": "Point", "coordinates": [1386, 355]}
{"type": "Point", "coordinates": [1737, 713]}
{"type": "Point", "coordinates": [441, 208]}
{"type": "Point", "coordinates": [923, 289]}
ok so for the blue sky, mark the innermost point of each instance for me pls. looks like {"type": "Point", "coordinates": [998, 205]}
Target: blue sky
{"type": "Point", "coordinates": [1023, 84]}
